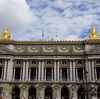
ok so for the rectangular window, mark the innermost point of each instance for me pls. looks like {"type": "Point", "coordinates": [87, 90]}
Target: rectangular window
{"type": "Point", "coordinates": [1, 72]}
{"type": "Point", "coordinates": [64, 74]}
{"type": "Point", "coordinates": [33, 73]}
{"type": "Point", "coordinates": [80, 74]}
{"type": "Point", "coordinates": [18, 73]}
{"type": "Point", "coordinates": [48, 73]}
{"type": "Point", "coordinates": [98, 72]}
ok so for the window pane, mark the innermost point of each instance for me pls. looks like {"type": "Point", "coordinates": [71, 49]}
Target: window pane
{"type": "Point", "coordinates": [33, 73]}
{"type": "Point", "coordinates": [48, 73]}
{"type": "Point", "coordinates": [98, 72]}
{"type": "Point", "coordinates": [17, 73]}
{"type": "Point", "coordinates": [80, 73]}
{"type": "Point", "coordinates": [64, 73]}
{"type": "Point", "coordinates": [0, 72]}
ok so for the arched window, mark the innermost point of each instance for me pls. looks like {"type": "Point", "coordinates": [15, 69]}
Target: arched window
{"type": "Point", "coordinates": [98, 62]}
{"type": "Point", "coordinates": [18, 62]}
{"type": "Point", "coordinates": [33, 62]}
{"type": "Point", "coordinates": [81, 93]}
{"type": "Point", "coordinates": [48, 93]}
{"type": "Point", "coordinates": [16, 93]}
{"type": "Point", "coordinates": [48, 62]}
{"type": "Point", "coordinates": [64, 62]}
{"type": "Point", "coordinates": [79, 62]}
{"type": "Point", "coordinates": [32, 93]}
{"type": "Point", "coordinates": [64, 93]}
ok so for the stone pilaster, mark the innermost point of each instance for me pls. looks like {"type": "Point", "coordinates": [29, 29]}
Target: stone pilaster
{"type": "Point", "coordinates": [5, 70]}
{"type": "Point", "coordinates": [10, 69]}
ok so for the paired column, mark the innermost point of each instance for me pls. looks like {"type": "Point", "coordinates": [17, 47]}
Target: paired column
{"type": "Point", "coordinates": [45, 74]}
{"type": "Point", "coordinates": [89, 65]}
{"type": "Point", "coordinates": [27, 64]}
{"type": "Point", "coordinates": [54, 70]}
{"type": "Point", "coordinates": [93, 70]}
{"type": "Point", "coordinates": [39, 70]}
{"type": "Point", "coordinates": [23, 75]}
{"type": "Point", "coordinates": [73, 70]}
{"type": "Point", "coordinates": [10, 69]}
{"type": "Point", "coordinates": [58, 70]}
{"type": "Point", "coordinates": [5, 70]}
{"type": "Point", "coordinates": [42, 78]}
{"type": "Point", "coordinates": [70, 70]}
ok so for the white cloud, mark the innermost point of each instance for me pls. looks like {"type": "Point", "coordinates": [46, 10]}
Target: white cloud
{"type": "Point", "coordinates": [16, 14]}
{"type": "Point", "coordinates": [70, 19]}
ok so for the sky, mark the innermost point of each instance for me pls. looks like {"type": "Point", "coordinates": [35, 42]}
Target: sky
{"type": "Point", "coordinates": [49, 19]}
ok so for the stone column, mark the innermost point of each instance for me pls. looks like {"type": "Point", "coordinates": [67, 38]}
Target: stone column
{"type": "Point", "coordinates": [89, 70]}
{"type": "Point", "coordinates": [58, 70]}
{"type": "Point", "coordinates": [45, 74]}
{"type": "Point", "coordinates": [27, 74]}
{"type": "Point", "coordinates": [68, 74]}
{"type": "Point", "coordinates": [2, 75]}
{"type": "Point", "coordinates": [23, 76]}
{"type": "Point", "coordinates": [95, 74]}
{"type": "Point", "coordinates": [5, 70]}
{"type": "Point", "coordinates": [10, 69]}
{"type": "Point", "coordinates": [71, 71]}
{"type": "Point", "coordinates": [52, 74]}
{"type": "Point", "coordinates": [76, 74]}
{"type": "Point", "coordinates": [54, 70]}
{"type": "Point", "coordinates": [39, 70]}
{"type": "Point", "coordinates": [42, 71]}
{"type": "Point", "coordinates": [13, 74]}
{"type": "Point", "coordinates": [60, 74]}
{"type": "Point", "coordinates": [93, 70]}
{"type": "Point", "coordinates": [36, 74]}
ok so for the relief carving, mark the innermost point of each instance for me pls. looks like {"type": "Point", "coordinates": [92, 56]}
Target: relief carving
{"type": "Point", "coordinates": [63, 48]}
{"type": "Point", "coordinates": [71, 49]}
{"type": "Point", "coordinates": [4, 50]}
{"type": "Point", "coordinates": [48, 48]}
{"type": "Point", "coordinates": [94, 51]}
{"type": "Point", "coordinates": [23, 48]}
{"type": "Point", "coordinates": [40, 50]}
{"type": "Point", "coordinates": [55, 50]}
{"type": "Point", "coordinates": [18, 48]}
{"type": "Point", "coordinates": [79, 48]}
{"type": "Point", "coordinates": [33, 48]}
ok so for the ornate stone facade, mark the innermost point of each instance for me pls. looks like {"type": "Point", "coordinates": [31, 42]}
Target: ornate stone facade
{"type": "Point", "coordinates": [49, 69]}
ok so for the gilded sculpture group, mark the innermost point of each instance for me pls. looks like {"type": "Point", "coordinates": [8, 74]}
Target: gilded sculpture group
{"type": "Point", "coordinates": [93, 34]}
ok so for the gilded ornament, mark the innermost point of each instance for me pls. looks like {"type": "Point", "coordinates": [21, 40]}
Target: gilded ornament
{"type": "Point", "coordinates": [94, 34]}
{"type": "Point", "coordinates": [5, 34]}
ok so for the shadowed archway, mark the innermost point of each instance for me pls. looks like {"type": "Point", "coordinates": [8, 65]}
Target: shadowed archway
{"type": "Point", "coordinates": [15, 93]}
{"type": "Point", "coordinates": [32, 93]}
{"type": "Point", "coordinates": [48, 93]}
{"type": "Point", "coordinates": [64, 93]}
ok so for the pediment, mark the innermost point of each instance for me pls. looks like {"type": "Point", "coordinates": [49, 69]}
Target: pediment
{"type": "Point", "coordinates": [4, 50]}
{"type": "Point", "coordinates": [94, 50]}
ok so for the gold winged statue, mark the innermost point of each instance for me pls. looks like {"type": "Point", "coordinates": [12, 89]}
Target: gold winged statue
{"type": "Point", "coordinates": [5, 34]}
{"type": "Point", "coordinates": [94, 34]}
